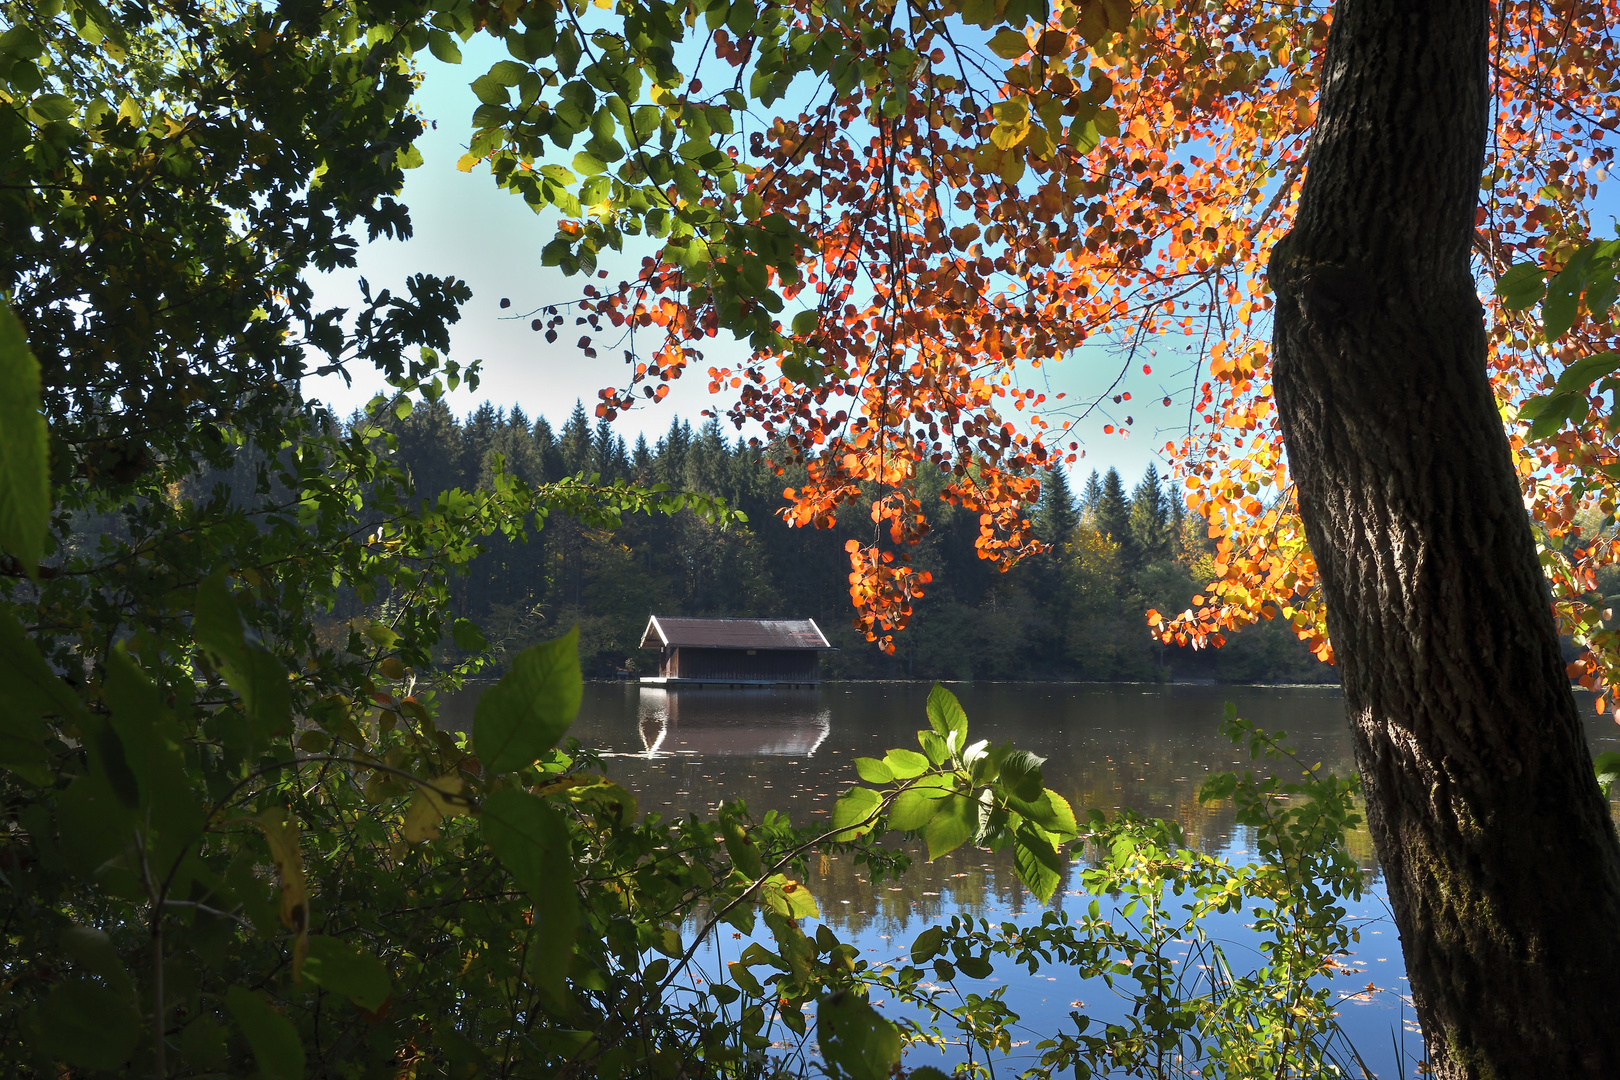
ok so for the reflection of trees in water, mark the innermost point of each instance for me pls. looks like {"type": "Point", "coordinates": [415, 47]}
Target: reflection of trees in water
{"type": "Point", "coordinates": [1107, 749]}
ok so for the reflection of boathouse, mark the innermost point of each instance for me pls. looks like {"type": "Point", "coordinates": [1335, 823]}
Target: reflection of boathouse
{"type": "Point", "coordinates": [733, 723]}
{"type": "Point", "coordinates": [735, 652]}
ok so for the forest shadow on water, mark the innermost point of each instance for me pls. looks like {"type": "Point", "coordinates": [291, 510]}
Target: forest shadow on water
{"type": "Point", "coordinates": [1111, 747]}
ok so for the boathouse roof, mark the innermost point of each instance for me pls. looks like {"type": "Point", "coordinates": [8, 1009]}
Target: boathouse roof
{"type": "Point", "coordinates": [664, 631]}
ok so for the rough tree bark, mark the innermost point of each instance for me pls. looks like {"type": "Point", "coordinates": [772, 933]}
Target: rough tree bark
{"type": "Point", "coordinates": [1502, 863]}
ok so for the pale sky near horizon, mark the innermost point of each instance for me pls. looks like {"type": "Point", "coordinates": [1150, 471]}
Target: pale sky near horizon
{"type": "Point", "coordinates": [466, 227]}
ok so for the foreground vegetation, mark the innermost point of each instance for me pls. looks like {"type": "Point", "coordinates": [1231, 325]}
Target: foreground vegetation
{"type": "Point", "coordinates": [234, 837]}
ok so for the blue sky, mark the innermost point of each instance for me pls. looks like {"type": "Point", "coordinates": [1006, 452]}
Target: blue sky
{"type": "Point", "coordinates": [466, 227]}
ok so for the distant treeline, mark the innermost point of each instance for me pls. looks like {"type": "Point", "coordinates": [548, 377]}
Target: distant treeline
{"type": "Point", "coordinates": [1075, 613]}
{"type": "Point", "coordinates": [1071, 614]}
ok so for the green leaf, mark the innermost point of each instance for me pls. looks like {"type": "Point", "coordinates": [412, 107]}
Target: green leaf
{"type": "Point", "coordinates": [788, 897]}
{"type": "Point", "coordinates": [1050, 811]}
{"type": "Point", "coordinates": [587, 164]}
{"type": "Point", "coordinates": [89, 1025]}
{"type": "Point", "coordinates": [25, 485]}
{"type": "Point", "coordinates": [33, 691]}
{"type": "Point", "coordinates": [905, 764]}
{"type": "Point", "coordinates": [742, 849]}
{"type": "Point", "coordinates": [489, 91]}
{"type": "Point", "coordinates": [52, 106]}
{"type": "Point", "coordinates": [531, 841]}
{"type": "Point", "coordinates": [854, 812]}
{"type": "Point", "coordinates": [248, 669]}
{"type": "Point", "coordinates": [93, 951]}
{"type": "Point", "coordinates": [344, 969]}
{"type": "Point", "coordinates": [596, 190]}
{"type": "Point", "coordinates": [953, 824]}
{"type": "Point", "coordinates": [1562, 303]}
{"type": "Point", "coordinates": [975, 967]}
{"type": "Point", "coordinates": [270, 1035]}
{"type": "Point", "coordinates": [857, 1043]}
{"type": "Point", "coordinates": [873, 771]}
{"type": "Point", "coordinates": [927, 945]}
{"type": "Point", "coordinates": [1038, 864]}
{"type": "Point", "coordinates": [1579, 376]}
{"type": "Point", "coordinates": [1549, 413]}
{"type": "Point", "coordinates": [1009, 44]}
{"type": "Point", "coordinates": [1607, 765]}
{"type": "Point", "coordinates": [153, 747]}
{"type": "Point", "coordinates": [529, 710]}
{"type": "Point", "coordinates": [467, 636]}
{"type": "Point", "coordinates": [1019, 771]}
{"type": "Point", "coordinates": [507, 72]}
{"type": "Point", "coordinates": [1522, 286]}
{"type": "Point", "coordinates": [204, 1044]}
{"type": "Point", "coordinates": [938, 751]}
{"type": "Point", "coordinates": [945, 716]}
{"type": "Point", "coordinates": [915, 807]}
{"type": "Point", "coordinates": [444, 47]}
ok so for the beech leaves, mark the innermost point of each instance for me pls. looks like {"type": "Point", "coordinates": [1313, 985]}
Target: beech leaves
{"type": "Point", "coordinates": [956, 793]}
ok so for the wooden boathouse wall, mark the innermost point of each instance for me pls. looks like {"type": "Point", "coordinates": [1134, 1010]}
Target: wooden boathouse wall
{"type": "Point", "coordinates": [742, 665]}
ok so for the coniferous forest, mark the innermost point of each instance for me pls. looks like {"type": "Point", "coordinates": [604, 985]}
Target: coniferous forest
{"type": "Point", "coordinates": [1074, 613]}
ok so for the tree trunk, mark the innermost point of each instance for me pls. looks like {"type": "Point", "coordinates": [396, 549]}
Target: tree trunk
{"type": "Point", "coordinates": [1501, 860]}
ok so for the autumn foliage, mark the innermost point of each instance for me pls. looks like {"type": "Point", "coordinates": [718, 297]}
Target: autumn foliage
{"type": "Point", "coordinates": [955, 194]}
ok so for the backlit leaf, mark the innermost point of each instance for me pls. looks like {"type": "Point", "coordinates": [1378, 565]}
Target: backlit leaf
{"type": "Point", "coordinates": [873, 771]}
{"type": "Point", "coordinates": [1038, 864]}
{"type": "Point", "coordinates": [1009, 44]}
{"type": "Point", "coordinates": [530, 709]}
{"type": "Point", "coordinates": [854, 812]}
{"type": "Point", "coordinates": [952, 825]}
{"type": "Point", "coordinates": [905, 764]}
{"type": "Point", "coordinates": [277, 1050]}
{"type": "Point", "coordinates": [89, 1025]}
{"type": "Point", "coordinates": [531, 841]}
{"type": "Point", "coordinates": [25, 489]}
{"type": "Point", "coordinates": [344, 969]}
{"type": "Point", "coordinates": [856, 1042]}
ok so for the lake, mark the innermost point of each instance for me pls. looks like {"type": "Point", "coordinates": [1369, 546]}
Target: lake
{"type": "Point", "coordinates": [1107, 746]}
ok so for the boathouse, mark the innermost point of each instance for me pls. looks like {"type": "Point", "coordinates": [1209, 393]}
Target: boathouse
{"type": "Point", "coordinates": [734, 652]}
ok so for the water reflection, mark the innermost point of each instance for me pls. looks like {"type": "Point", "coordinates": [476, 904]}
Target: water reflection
{"type": "Point", "coordinates": [732, 723]}
{"type": "Point", "coordinates": [1110, 748]}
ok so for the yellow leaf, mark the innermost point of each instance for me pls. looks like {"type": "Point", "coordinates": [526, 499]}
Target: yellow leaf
{"type": "Point", "coordinates": [466, 163]}
{"type": "Point", "coordinates": [1012, 123]}
{"type": "Point", "coordinates": [431, 803]}
{"type": "Point", "coordinates": [1040, 142]}
{"type": "Point", "coordinates": [282, 835]}
{"type": "Point", "coordinates": [1009, 44]}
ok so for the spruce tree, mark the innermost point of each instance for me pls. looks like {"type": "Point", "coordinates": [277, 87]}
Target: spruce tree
{"type": "Point", "coordinates": [575, 442]}
{"type": "Point", "coordinates": [1055, 515]}
{"type": "Point", "coordinates": [1112, 517]}
{"type": "Point", "coordinates": [545, 445]}
{"type": "Point", "coordinates": [1150, 518]}
{"type": "Point", "coordinates": [1091, 494]}
{"type": "Point", "coordinates": [604, 446]}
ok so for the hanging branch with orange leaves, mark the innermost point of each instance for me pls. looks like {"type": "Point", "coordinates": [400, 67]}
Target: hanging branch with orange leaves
{"type": "Point", "coordinates": [963, 192]}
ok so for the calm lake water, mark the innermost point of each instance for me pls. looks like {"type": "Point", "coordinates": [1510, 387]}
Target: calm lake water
{"type": "Point", "coordinates": [1107, 746]}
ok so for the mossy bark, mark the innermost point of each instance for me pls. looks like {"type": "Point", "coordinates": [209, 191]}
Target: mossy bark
{"type": "Point", "coordinates": [1501, 859]}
